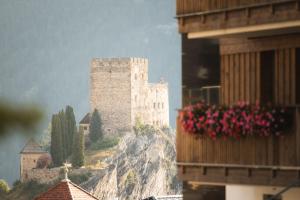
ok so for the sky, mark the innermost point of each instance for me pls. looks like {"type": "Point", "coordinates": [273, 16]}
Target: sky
{"type": "Point", "coordinates": [46, 47]}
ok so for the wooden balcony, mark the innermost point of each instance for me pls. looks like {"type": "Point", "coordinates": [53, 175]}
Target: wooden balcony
{"type": "Point", "coordinates": [272, 161]}
{"type": "Point", "coordinates": [216, 18]}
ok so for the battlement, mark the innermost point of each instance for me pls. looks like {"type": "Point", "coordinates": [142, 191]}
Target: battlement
{"type": "Point", "coordinates": [106, 62]}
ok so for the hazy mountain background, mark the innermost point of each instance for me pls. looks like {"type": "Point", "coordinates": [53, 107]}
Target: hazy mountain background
{"type": "Point", "coordinates": [46, 47]}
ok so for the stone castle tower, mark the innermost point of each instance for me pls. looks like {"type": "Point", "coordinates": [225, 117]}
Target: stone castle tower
{"type": "Point", "coordinates": [121, 93]}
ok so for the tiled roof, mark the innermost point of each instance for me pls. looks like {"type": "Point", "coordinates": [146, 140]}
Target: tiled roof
{"type": "Point", "coordinates": [66, 190]}
{"type": "Point", "coordinates": [32, 147]}
{"type": "Point", "coordinates": [86, 119]}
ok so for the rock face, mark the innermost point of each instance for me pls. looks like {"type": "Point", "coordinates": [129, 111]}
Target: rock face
{"type": "Point", "coordinates": [144, 166]}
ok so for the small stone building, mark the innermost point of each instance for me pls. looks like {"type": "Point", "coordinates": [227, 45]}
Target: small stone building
{"type": "Point", "coordinates": [29, 158]}
{"type": "Point", "coordinates": [121, 93]}
{"type": "Point", "coordinates": [85, 124]}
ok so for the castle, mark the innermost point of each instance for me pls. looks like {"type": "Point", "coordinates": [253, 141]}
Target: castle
{"type": "Point", "coordinates": [121, 93]}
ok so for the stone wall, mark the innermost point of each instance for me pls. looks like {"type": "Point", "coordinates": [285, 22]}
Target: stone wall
{"type": "Point", "coordinates": [121, 93]}
{"type": "Point", "coordinates": [159, 101]}
{"type": "Point", "coordinates": [41, 175]}
{"type": "Point", "coordinates": [111, 91]}
{"type": "Point", "coordinates": [28, 161]}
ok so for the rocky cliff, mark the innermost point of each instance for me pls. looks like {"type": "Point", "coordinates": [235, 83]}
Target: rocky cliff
{"type": "Point", "coordinates": [143, 166]}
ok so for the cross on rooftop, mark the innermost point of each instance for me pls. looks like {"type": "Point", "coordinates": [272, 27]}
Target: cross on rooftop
{"type": "Point", "coordinates": [66, 170]}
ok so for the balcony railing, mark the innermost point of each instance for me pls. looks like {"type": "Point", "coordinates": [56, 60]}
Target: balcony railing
{"type": "Point", "coordinates": [194, 6]}
{"type": "Point", "coordinates": [253, 160]}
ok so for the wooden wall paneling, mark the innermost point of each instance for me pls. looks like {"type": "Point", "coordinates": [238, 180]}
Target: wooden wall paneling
{"type": "Point", "coordinates": [204, 149]}
{"type": "Point", "coordinates": [257, 76]}
{"type": "Point", "coordinates": [242, 77]}
{"type": "Point", "coordinates": [252, 77]}
{"type": "Point", "coordinates": [281, 76]}
{"type": "Point", "coordinates": [231, 79]}
{"type": "Point", "coordinates": [226, 80]}
{"type": "Point", "coordinates": [210, 146]}
{"type": "Point", "coordinates": [297, 121]}
{"type": "Point", "coordinates": [236, 77]}
{"type": "Point", "coordinates": [287, 75]}
{"type": "Point", "coordinates": [276, 78]}
{"type": "Point", "coordinates": [222, 77]}
{"type": "Point", "coordinates": [293, 75]}
{"type": "Point", "coordinates": [247, 77]}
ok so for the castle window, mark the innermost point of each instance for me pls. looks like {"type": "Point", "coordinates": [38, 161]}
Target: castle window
{"type": "Point", "coordinates": [135, 98]}
{"type": "Point", "coordinates": [154, 105]}
{"type": "Point", "coordinates": [158, 105]}
{"type": "Point", "coordinates": [162, 105]}
{"type": "Point", "coordinates": [85, 128]}
{"type": "Point", "coordinates": [135, 76]}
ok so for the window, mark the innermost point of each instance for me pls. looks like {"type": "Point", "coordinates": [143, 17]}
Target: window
{"type": "Point", "coordinates": [162, 105]}
{"type": "Point", "coordinates": [85, 128]}
{"type": "Point", "coordinates": [154, 105]}
{"type": "Point", "coordinates": [267, 66]}
{"type": "Point", "coordinates": [158, 105]}
{"type": "Point", "coordinates": [135, 76]}
{"type": "Point", "coordinates": [135, 98]}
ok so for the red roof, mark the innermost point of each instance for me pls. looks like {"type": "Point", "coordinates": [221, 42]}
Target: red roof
{"type": "Point", "coordinates": [66, 190]}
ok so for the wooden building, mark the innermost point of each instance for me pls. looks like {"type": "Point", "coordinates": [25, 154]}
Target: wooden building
{"type": "Point", "coordinates": [251, 50]}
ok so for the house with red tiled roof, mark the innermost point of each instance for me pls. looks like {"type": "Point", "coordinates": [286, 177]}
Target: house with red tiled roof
{"type": "Point", "coordinates": [66, 190]}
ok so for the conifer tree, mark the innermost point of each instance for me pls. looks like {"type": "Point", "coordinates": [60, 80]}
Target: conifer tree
{"type": "Point", "coordinates": [78, 149]}
{"type": "Point", "coordinates": [56, 141]}
{"type": "Point", "coordinates": [95, 126]}
{"type": "Point", "coordinates": [64, 134]}
{"type": "Point", "coordinates": [70, 128]}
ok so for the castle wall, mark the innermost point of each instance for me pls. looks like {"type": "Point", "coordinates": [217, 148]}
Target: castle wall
{"type": "Point", "coordinates": [41, 175]}
{"type": "Point", "coordinates": [121, 93]}
{"type": "Point", "coordinates": [158, 100]}
{"type": "Point", "coordinates": [139, 79]}
{"type": "Point", "coordinates": [111, 91]}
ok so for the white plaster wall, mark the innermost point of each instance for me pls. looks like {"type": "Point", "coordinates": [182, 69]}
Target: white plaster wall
{"type": "Point", "coordinates": [237, 192]}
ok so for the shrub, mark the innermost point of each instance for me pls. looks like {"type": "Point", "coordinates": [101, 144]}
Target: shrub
{"type": "Point", "coordinates": [44, 161]}
{"type": "Point", "coordinates": [105, 143]}
{"type": "Point", "coordinates": [80, 178]}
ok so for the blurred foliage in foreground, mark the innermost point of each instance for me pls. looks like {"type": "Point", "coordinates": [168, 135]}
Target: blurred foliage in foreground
{"type": "Point", "coordinates": [16, 116]}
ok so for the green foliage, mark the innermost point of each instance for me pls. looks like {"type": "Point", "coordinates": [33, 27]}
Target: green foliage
{"type": "Point", "coordinates": [144, 129]}
{"type": "Point", "coordinates": [25, 191]}
{"type": "Point", "coordinates": [105, 143]}
{"type": "Point", "coordinates": [56, 148]}
{"type": "Point", "coordinates": [96, 131]}
{"type": "Point", "coordinates": [78, 149]}
{"type": "Point", "coordinates": [62, 135]}
{"type": "Point", "coordinates": [80, 178]}
{"type": "Point", "coordinates": [4, 188]}
{"type": "Point", "coordinates": [70, 128]}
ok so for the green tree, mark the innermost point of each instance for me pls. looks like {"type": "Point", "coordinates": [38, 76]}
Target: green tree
{"type": "Point", "coordinates": [4, 188]}
{"type": "Point", "coordinates": [64, 134]}
{"type": "Point", "coordinates": [95, 127]}
{"type": "Point", "coordinates": [56, 149]}
{"type": "Point", "coordinates": [78, 149]}
{"type": "Point", "coordinates": [70, 128]}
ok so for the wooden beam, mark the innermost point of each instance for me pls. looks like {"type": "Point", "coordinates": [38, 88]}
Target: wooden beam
{"type": "Point", "coordinates": [213, 165]}
{"type": "Point", "coordinates": [244, 30]}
